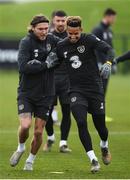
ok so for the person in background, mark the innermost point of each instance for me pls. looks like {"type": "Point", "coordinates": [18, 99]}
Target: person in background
{"type": "Point", "coordinates": [104, 32]}
{"type": "Point", "coordinates": [122, 58]}
{"type": "Point", "coordinates": [61, 86]}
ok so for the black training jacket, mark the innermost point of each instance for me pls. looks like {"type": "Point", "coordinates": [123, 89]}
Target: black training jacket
{"type": "Point", "coordinates": [104, 32]}
{"type": "Point", "coordinates": [34, 79]}
{"type": "Point", "coordinates": [82, 65]}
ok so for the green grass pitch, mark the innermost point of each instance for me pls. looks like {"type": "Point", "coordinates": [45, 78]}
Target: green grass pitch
{"type": "Point", "coordinates": [76, 164]}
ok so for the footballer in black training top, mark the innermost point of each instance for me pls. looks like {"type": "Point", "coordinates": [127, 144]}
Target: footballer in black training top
{"type": "Point", "coordinates": [86, 89]}
{"type": "Point", "coordinates": [36, 87]}
{"type": "Point", "coordinates": [61, 88]}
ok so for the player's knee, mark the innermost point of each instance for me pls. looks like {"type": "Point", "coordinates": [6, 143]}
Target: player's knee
{"type": "Point", "coordinates": [38, 134]}
{"type": "Point", "coordinates": [25, 127]}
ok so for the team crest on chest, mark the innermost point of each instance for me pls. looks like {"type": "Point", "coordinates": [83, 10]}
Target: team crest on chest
{"type": "Point", "coordinates": [81, 49]}
{"type": "Point", "coordinates": [48, 46]}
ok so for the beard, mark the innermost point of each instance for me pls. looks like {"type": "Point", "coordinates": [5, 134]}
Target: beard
{"type": "Point", "coordinates": [61, 28]}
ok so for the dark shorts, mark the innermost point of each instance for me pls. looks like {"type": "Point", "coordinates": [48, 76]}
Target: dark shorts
{"type": "Point", "coordinates": [94, 106]}
{"type": "Point", "coordinates": [61, 87]}
{"type": "Point", "coordinates": [39, 107]}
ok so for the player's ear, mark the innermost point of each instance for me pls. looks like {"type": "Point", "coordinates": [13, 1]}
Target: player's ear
{"type": "Point", "coordinates": [32, 28]}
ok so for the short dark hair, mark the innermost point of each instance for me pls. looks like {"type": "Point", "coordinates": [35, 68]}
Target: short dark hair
{"type": "Point", "coordinates": [59, 13]}
{"type": "Point", "coordinates": [39, 19]}
{"type": "Point", "coordinates": [74, 21]}
{"type": "Point", "coordinates": [109, 12]}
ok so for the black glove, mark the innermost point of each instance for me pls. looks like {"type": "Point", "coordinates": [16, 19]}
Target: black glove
{"type": "Point", "coordinates": [106, 70]}
{"type": "Point", "coordinates": [51, 60]}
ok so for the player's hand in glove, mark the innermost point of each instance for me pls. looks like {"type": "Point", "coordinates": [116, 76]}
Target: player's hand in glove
{"type": "Point", "coordinates": [52, 60]}
{"type": "Point", "coordinates": [37, 65]}
{"type": "Point", "coordinates": [106, 70]}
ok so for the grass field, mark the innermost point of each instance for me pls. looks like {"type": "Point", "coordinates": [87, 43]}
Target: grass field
{"type": "Point", "coordinates": [14, 19]}
{"type": "Point", "coordinates": [76, 164]}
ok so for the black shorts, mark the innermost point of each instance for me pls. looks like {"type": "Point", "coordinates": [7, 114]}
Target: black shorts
{"type": "Point", "coordinates": [94, 106]}
{"type": "Point", "coordinates": [39, 107]}
{"type": "Point", "coordinates": [61, 87]}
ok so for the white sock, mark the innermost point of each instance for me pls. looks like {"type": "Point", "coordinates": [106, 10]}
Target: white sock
{"type": "Point", "coordinates": [52, 138]}
{"type": "Point", "coordinates": [91, 155]}
{"type": "Point", "coordinates": [21, 147]}
{"type": "Point", "coordinates": [104, 144]}
{"type": "Point", "coordinates": [54, 115]}
{"type": "Point", "coordinates": [62, 142]}
{"type": "Point", "coordinates": [31, 158]}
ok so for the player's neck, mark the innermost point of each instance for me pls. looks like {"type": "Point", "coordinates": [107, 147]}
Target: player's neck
{"type": "Point", "coordinates": [60, 31]}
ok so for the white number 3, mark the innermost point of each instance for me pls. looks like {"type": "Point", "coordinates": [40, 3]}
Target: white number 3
{"type": "Point", "coordinates": [76, 63]}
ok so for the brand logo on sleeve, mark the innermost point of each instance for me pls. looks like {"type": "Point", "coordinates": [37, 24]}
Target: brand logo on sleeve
{"type": "Point", "coordinates": [102, 106]}
{"type": "Point", "coordinates": [65, 54]}
{"type": "Point", "coordinates": [35, 52]}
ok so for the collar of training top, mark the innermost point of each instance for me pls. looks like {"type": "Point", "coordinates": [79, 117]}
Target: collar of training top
{"type": "Point", "coordinates": [105, 25]}
{"type": "Point", "coordinates": [60, 34]}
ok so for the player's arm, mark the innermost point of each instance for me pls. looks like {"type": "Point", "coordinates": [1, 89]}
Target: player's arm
{"type": "Point", "coordinates": [25, 63]}
{"type": "Point", "coordinates": [102, 46]}
{"type": "Point", "coordinates": [123, 58]}
{"type": "Point", "coordinates": [52, 59]}
{"type": "Point", "coordinates": [107, 66]}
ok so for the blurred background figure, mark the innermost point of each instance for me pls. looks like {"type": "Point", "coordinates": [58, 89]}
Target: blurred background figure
{"type": "Point", "coordinates": [54, 112]}
{"type": "Point", "coordinates": [52, 26]}
{"type": "Point", "coordinates": [122, 58]}
{"type": "Point", "coordinates": [104, 32]}
{"type": "Point", "coordinates": [61, 86]}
